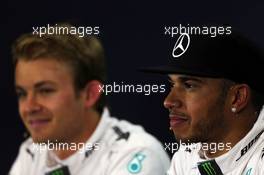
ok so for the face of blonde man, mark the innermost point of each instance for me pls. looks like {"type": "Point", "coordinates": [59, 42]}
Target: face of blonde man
{"type": "Point", "coordinates": [48, 104]}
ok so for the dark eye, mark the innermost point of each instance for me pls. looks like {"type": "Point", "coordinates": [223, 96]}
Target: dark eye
{"type": "Point", "coordinates": [189, 85]}
{"type": "Point", "coordinates": [172, 84]}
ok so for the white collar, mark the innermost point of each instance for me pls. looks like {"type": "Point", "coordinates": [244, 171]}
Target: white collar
{"type": "Point", "coordinates": [236, 155]}
{"type": "Point", "coordinates": [79, 156]}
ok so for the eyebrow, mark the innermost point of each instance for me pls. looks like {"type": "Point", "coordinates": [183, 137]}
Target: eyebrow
{"type": "Point", "coordinates": [37, 85]}
{"type": "Point", "coordinates": [184, 78]}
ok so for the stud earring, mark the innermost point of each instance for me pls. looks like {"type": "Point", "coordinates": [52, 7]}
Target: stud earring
{"type": "Point", "coordinates": [233, 109]}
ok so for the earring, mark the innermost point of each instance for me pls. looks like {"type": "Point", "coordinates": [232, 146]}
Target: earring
{"type": "Point", "coordinates": [233, 109]}
{"type": "Point", "coordinates": [170, 128]}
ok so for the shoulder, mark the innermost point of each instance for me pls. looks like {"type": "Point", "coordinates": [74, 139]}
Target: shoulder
{"type": "Point", "coordinates": [138, 160]}
{"type": "Point", "coordinates": [183, 160]}
{"type": "Point", "coordinates": [24, 158]}
{"type": "Point", "coordinates": [259, 156]}
{"type": "Point", "coordinates": [255, 162]}
{"type": "Point", "coordinates": [27, 149]}
{"type": "Point", "coordinates": [131, 143]}
{"type": "Point", "coordinates": [123, 132]}
{"type": "Point", "coordinates": [130, 136]}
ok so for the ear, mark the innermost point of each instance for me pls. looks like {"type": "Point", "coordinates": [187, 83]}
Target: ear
{"type": "Point", "coordinates": [92, 93]}
{"type": "Point", "coordinates": [240, 97]}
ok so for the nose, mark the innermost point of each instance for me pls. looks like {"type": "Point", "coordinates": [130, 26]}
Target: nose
{"type": "Point", "coordinates": [172, 101]}
{"type": "Point", "coordinates": [30, 105]}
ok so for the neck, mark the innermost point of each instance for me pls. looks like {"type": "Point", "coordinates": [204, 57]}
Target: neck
{"type": "Point", "coordinates": [235, 131]}
{"type": "Point", "coordinates": [80, 139]}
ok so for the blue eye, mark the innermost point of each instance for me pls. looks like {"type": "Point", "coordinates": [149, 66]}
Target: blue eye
{"type": "Point", "coordinates": [21, 94]}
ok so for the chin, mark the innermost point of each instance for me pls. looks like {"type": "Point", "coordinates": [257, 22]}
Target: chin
{"type": "Point", "coordinates": [187, 139]}
{"type": "Point", "coordinates": [40, 138]}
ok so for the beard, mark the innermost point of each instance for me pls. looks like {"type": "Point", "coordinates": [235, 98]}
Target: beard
{"type": "Point", "coordinates": [209, 129]}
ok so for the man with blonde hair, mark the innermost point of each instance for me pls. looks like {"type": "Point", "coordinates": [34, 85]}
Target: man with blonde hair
{"type": "Point", "coordinates": [57, 81]}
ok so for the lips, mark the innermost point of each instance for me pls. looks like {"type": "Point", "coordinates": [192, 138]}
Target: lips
{"type": "Point", "coordinates": [177, 120]}
{"type": "Point", "coordinates": [38, 123]}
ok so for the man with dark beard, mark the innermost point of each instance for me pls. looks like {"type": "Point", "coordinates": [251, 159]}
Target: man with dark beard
{"type": "Point", "coordinates": [215, 106]}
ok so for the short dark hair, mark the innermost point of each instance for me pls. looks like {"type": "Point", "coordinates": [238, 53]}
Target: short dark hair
{"type": "Point", "coordinates": [84, 55]}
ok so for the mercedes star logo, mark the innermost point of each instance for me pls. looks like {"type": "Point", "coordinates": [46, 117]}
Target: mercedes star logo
{"type": "Point", "coordinates": [181, 46]}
